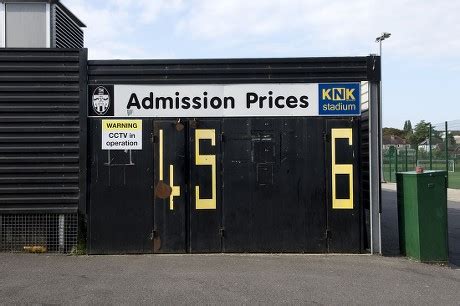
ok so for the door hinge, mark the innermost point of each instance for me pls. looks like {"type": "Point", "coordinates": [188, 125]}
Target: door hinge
{"type": "Point", "coordinates": [328, 234]}
{"type": "Point", "coordinates": [222, 137]}
{"type": "Point", "coordinates": [154, 139]}
{"type": "Point", "coordinates": [222, 232]}
{"type": "Point", "coordinates": [153, 234]}
{"type": "Point", "coordinates": [326, 137]}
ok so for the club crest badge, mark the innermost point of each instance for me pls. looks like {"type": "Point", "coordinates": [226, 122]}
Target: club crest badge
{"type": "Point", "coordinates": [101, 100]}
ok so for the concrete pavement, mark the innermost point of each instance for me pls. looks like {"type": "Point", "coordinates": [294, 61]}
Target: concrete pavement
{"type": "Point", "coordinates": [224, 279]}
{"type": "Point", "coordinates": [239, 279]}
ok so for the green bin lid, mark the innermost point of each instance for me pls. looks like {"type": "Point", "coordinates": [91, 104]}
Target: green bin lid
{"type": "Point", "coordinates": [426, 172]}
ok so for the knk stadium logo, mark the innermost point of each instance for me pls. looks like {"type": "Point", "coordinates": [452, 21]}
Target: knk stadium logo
{"type": "Point", "coordinates": [339, 99]}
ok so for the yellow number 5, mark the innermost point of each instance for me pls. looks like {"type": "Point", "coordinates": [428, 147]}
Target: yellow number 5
{"type": "Point", "coordinates": [341, 169]}
{"type": "Point", "coordinates": [205, 160]}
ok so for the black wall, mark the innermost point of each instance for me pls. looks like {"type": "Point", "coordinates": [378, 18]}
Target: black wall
{"type": "Point", "coordinates": [42, 130]}
{"type": "Point", "coordinates": [43, 135]}
{"type": "Point", "coordinates": [247, 179]}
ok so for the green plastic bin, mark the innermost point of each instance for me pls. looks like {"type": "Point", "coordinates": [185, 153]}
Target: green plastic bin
{"type": "Point", "coordinates": [422, 215]}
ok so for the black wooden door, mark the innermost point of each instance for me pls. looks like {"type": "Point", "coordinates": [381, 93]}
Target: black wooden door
{"type": "Point", "coordinates": [205, 214]}
{"type": "Point", "coordinates": [344, 208]}
{"type": "Point", "coordinates": [187, 201]}
{"type": "Point", "coordinates": [314, 182]}
{"type": "Point", "coordinates": [170, 177]}
{"type": "Point", "coordinates": [120, 195]}
{"type": "Point", "coordinates": [274, 185]}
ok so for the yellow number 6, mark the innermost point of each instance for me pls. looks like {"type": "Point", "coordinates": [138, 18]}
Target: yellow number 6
{"type": "Point", "coordinates": [341, 169]}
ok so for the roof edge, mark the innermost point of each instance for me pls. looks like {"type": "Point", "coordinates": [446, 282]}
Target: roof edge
{"type": "Point", "coordinates": [56, 2]}
{"type": "Point", "coordinates": [69, 13]}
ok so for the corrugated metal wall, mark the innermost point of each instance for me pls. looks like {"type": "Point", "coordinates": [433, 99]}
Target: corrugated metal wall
{"type": "Point", "coordinates": [220, 71]}
{"type": "Point", "coordinates": [42, 119]}
{"type": "Point", "coordinates": [365, 158]}
{"type": "Point", "coordinates": [66, 34]}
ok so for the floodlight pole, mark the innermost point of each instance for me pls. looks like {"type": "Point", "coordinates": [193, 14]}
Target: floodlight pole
{"type": "Point", "coordinates": [379, 39]}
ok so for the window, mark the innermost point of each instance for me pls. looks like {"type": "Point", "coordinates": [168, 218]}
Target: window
{"type": "Point", "coordinates": [26, 25]}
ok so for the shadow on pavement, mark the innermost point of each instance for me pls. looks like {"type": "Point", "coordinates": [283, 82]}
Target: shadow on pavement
{"type": "Point", "coordinates": [390, 233]}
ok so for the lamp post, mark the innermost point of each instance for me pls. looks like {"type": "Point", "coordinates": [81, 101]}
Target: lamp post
{"type": "Point", "coordinates": [379, 40]}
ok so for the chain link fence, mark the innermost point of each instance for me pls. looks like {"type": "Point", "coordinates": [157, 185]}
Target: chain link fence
{"type": "Point", "coordinates": [38, 233]}
{"type": "Point", "coordinates": [440, 150]}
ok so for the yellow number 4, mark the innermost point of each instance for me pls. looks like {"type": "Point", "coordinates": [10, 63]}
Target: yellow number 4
{"type": "Point", "coordinates": [175, 189]}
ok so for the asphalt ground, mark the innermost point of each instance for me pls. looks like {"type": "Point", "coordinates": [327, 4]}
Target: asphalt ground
{"type": "Point", "coordinates": [238, 279]}
{"type": "Point", "coordinates": [224, 279]}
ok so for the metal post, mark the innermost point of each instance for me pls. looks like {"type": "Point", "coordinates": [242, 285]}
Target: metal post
{"type": "Point", "coordinates": [396, 161]}
{"type": "Point", "coordinates": [375, 170]}
{"type": "Point", "coordinates": [389, 162]}
{"type": "Point", "coordinates": [380, 112]}
{"type": "Point", "coordinates": [447, 154]}
{"type": "Point", "coordinates": [416, 156]}
{"type": "Point", "coordinates": [431, 156]}
{"type": "Point", "coordinates": [406, 158]}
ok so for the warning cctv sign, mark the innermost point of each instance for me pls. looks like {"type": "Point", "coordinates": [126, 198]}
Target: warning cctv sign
{"type": "Point", "coordinates": [121, 134]}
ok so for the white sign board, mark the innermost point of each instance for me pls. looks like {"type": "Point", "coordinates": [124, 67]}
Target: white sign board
{"type": "Point", "coordinates": [121, 134]}
{"type": "Point", "coordinates": [225, 100]}
{"type": "Point", "coordinates": [217, 100]}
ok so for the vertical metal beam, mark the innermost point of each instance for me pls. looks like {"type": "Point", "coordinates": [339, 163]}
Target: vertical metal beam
{"type": "Point", "coordinates": [48, 25]}
{"type": "Point", "coordinates": [429, 149]}
{"type": "Point", "coordinates": [2, 25]}
{"type": "Point", "coordinates": [447, 153]}
{"type": "Point", "coordinates": [406, 159]}
{"type": "Point", "coordinates": [53, 26]}
{"type": "Point", "coordinates": [396, 160]}
{"type": "Point", "coordinates": [375, 167]}
{"type": "Point", "coordinates": [83, 143]}
{"type": "Point", "coordinates": [382, 179]}
{"type": "Point", "coordinates": [389, 163]}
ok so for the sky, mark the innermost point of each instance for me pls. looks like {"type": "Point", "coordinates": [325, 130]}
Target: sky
{"type": "Point", "coordinates": [420, 61]}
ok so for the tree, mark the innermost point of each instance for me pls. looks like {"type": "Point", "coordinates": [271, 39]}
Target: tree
{"type": "Point", "coordinates": [420, 133]}
{"type": "Point", "coordinates": [394, 132]}
{"type": "Point", "coordinates": [451, 142]}
{"type": "Point", "coordinates": [408, 128]}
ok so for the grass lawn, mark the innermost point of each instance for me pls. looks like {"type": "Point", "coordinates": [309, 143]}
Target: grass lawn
{"type": "Point", "coordinates": [454, 180]}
